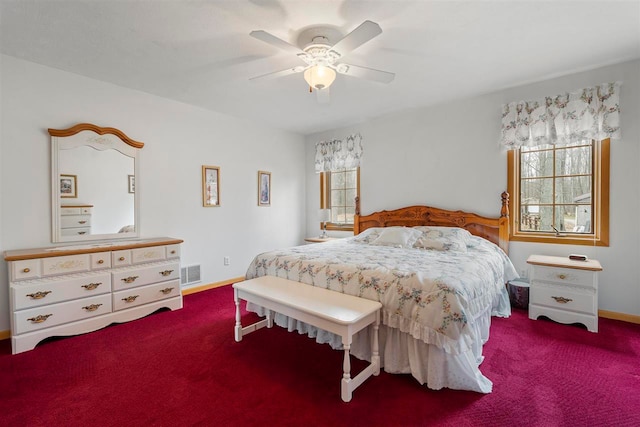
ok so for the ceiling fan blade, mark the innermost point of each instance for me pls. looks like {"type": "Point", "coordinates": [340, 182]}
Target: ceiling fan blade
{"type": "Point", "coordinates": [323, 95]}
{"type": "Point", "coordinates": [280, 73]}
{"type": "Point", "coordinates": [275, 41]}
{"type": "Point", "coordinates": [356, 38]}
{"type": "Point", "coordinates": [365, 73]}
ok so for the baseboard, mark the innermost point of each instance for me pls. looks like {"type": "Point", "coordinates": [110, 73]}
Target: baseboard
{"type": "Point", "coordinates": [201, 288]}
{"type": "Point", "coordinates": [631, 318]}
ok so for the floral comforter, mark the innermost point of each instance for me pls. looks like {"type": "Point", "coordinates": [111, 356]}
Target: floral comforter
{"type": "Point", "coordinates": [432, 295]}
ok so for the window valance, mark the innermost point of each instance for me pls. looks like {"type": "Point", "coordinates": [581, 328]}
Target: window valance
{"type": "Point", "coordinates": [339, 154]}
{"type": "Point", "coordinates": [590, 113]}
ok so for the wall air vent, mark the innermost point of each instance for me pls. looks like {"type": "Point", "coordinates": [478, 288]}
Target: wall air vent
{"type": "Point", "coordinates": [189, 275]}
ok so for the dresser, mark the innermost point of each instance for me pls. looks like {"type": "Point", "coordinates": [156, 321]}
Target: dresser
{"type": "Point", "coordinates": [69, 290]}
{"type": "Point", "coordinates": [75, 220]}
{"type": "Point", "coordinates": [564, 290]}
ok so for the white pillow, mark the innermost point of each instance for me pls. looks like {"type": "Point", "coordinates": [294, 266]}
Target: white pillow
{"type": "Point", "coordinates": [368, 235]}
{"type": "Point", "coordinates": [443, 238]}
{"type": "Point", "coordinates": [399, 237]}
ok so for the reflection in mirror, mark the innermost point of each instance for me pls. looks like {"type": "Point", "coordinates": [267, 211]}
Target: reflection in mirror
{"type": "Point", "coordinates": [93, 176]}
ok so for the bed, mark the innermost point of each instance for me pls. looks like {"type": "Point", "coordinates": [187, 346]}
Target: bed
{"type": "Point", "coordinates": [440, 276]}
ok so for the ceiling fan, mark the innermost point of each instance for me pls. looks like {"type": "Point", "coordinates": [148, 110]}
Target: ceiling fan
{"type": "Point", "coordinates": [323, 60]}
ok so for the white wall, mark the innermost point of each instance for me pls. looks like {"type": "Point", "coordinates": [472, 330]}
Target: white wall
{"type": "Point", "coordinates": [178, 139]}
{"type": "Point", "coordinates": [448, 156]}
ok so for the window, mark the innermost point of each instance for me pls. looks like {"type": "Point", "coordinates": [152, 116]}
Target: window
{"type": "Point", "coordinates": [560, 193]}
{"type": "Point", "coordinates": [338, 192]}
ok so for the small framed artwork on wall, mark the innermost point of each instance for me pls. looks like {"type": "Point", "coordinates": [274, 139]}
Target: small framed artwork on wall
{"type": "Point", "coordinates": [210, 186]}
{"type": "Point", "coordinates": [132, 183]}
{"type": "Point", "coordinates": [264, 188]}
{"type": "Point", "coordinates": [68, 186]}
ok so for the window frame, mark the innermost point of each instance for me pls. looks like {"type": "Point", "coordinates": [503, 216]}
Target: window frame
{"type": "Point", "coordinates": [325, 197]}
{"type": "Point", "coordinates": [600, 202]}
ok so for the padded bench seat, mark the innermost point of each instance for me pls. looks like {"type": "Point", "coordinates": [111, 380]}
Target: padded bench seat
{"type": "Point", "coordinates": [333, 311]}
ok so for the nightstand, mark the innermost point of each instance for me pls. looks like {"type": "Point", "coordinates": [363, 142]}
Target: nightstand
{"type": "Point", "coordinates": [319, 239]}
{"type": "Point", "coordinates": [564, 290]}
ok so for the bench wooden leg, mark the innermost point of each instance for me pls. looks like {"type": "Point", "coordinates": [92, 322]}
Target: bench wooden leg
{"type": "Point", "coordinates": [375, 355]}
{"type": "Point", "coordinates": [349, 384]}
{"type": "Point", "coordinates": [238, 328]}
{"type": "Point", "coordinates": [347, 390]}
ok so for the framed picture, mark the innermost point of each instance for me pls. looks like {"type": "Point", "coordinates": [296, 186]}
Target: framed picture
{"type": "Point", "coordinates": [132, 183]}
{"type": "Point", "coordinates": [68, 186]}
{"type": "Point", "coordinates": [264, 188]}
{"type": "Point", "coordinates": [210, 186]}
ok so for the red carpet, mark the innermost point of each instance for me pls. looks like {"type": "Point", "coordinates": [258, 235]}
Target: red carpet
{"type": "Point", "coordinates": [183, 368]}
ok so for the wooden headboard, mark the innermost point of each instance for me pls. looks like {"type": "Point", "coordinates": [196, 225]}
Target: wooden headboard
{"type": "Point", "coordinates": [495, 230]}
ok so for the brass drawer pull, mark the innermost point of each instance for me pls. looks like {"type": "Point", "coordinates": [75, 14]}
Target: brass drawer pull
{"type": "Point", "coordinates": [82, 222]}
{"type": "Point", "coordinates": [39, 294]}
{"type": "Point", "coordinates": [132, 298]}
{"type": "Point", "coordinates": [166, 291]}
{"type": "Point", "coordinates": [173, 252]}
{"type": "Point", "coordinates": [166, 272]}
{"type": "Point", "coordinates": [92, 286]}
{"type": "Point", "coordinates": [39, 319]}
{"type": "Point", "coordinates": [100, 261]}
{"type": "Point", "coordinates": [92, 307]}
{"type": "Point", "coordinates": [562, 300]}
{"type": "Point", "coordinates": [26, 270]}
{"type": "Point", "coordinates": [129, 279]}
{"type": "Point", "coordinates": [82, 232]}
{"type": "Point", "coordinates": [121, 258]}
{"type": "Point", "coordinates": [562, 276]}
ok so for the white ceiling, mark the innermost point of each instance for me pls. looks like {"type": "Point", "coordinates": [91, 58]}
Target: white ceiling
{"type": "Point", "coordinates": [200, 52]}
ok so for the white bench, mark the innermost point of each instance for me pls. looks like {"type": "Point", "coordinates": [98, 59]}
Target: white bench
{"type": "Point", "coordinates": [342, 314]}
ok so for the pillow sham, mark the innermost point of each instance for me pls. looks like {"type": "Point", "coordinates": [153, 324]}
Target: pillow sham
{"type": "Point", "coordinates": [368, 235]}
{"type": "Point", "coordinates": [399, 237]}
{"type": "Point", "coordinates": [443, 238]}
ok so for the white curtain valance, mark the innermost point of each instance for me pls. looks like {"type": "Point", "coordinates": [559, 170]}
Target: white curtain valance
{"type": "Point", "coordinates": [339, 154]}
{"type": "Point", "coordinates": [590, 113]}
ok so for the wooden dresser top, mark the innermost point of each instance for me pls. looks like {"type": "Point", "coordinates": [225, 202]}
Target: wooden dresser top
{"type": "Point", "coordinates": [85, 248]}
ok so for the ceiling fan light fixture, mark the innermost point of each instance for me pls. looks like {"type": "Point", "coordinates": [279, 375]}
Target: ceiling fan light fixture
{"type": "Point", "coordinates": [319, 77]}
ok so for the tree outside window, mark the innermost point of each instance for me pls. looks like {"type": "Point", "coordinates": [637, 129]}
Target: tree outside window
{"type": "Point", "coordinates": [560, 193]}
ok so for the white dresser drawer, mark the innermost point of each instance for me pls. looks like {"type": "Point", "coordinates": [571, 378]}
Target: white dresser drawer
{"type": "Point", "coordinates": [65, 264]}
{"type": "Point", "coordinates": [140, 276]}
{"type": "Point", "coordinates": [565, 276]}
{"type": "Point", "coordinates": [70, 211]}
{"type": "Point", "coordinates": [58, 314]}
{"type": "Point", "coordinates": [74, 221]}
{"type": "Point", "coordinates": [564, 298]}
{"type": "Point", "coordinates": [80, 231]}
{"type": "Point", "coordinates": [25, 269]}
{"type": "Point", "coordinates": [154, 253]}
{"type": "Point", "coordinates": [35, 293]}
{"type": "Point", "coordinates": [121, 258]}
{"type": "Point", "coordinates": [145, 294]}
{"type": "Point", "coordinates": [100, 260]}
{"type": "Point", "coordinates": [173, 251]}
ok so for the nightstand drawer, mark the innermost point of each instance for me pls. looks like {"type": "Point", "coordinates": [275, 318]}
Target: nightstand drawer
{"type": "Point", "coordinates": [564, 276]}
{"type": "Point", "coordinates": [564, 298]}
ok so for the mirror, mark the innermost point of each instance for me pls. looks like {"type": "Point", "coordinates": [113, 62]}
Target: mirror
{"type": "Point", "coordinates": [93, 177]}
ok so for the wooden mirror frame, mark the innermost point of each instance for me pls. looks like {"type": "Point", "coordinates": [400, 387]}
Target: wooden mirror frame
{"type": "Point", "coordinates": [100, 138]}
